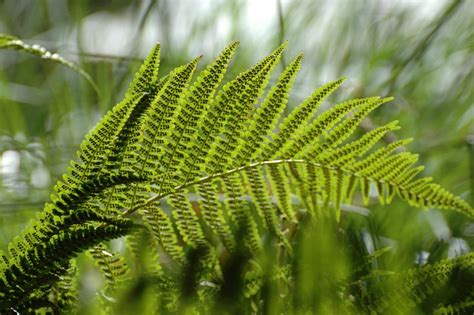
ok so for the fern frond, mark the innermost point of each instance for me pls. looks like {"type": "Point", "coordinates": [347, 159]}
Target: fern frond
{"type": "Point", "coordinates": [213, 173]}
{"type": "Point", "coordinates": [222, 147]}
{"type": "Point", "coordinates": [257, 190]}
{"type": "Point", "coordinates": [96, 148]}
{"type": "Point", "coordinates": [299, 117]}
{"type": "Point", "coordinates": [309, 133]}
{"type": "Point", "coordinates": [28, 271]}
{"type": "Point", "coordinates": [282, 191]}
{"type": "Point", "coordinates": [213, 122]}
{"type": "Point", "coordinates": [156, 124]}
{"type": "Point", "coordinates": [335, 136]}
{"type": "Point", "coordinates": [239, 213]}
{"type": "Point", "coordinates": [70, 197]}
{"type": "Point", "coordinates": [130, 134]}
{"type": "Point", "coordinates": [111, 264]}
{"type": "Point", "coordinates": [266, 116]}
{"type": "Point", "coordinates": [162, 229]}
{"type": "Point", "coordinates": [197, 103]}
{"type": "Point", "coordinates": [212, 213]}
{"type": "Point", "coordinates": [340, 156]}
{"type": "Point", "coordinates": [464, 307]}
{"type": "Point", "coordinates": [189, 111]}
{"type": "Point", "coordinates": [187, 221]}
{"type": "Point", "coordinates": [143, 249]}
{"type": "Point", "coordinates": [64, 294]}
{"type": "Point", "coordinates": [146, 77]}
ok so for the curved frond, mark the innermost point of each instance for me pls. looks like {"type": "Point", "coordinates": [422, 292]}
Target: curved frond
{"type": "Point", "coordinates": [214, 177]}
{"type": "Point", "coordinates": [27, 271]}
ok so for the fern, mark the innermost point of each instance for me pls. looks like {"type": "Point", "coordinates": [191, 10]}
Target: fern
{"type": "Point", "coordinates": [194, 173]}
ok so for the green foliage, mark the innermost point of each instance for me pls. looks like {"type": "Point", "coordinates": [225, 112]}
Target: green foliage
{"type": "Point", "coordinates": [226, 202]}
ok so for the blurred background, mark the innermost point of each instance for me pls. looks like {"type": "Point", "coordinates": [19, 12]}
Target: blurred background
{"type": "Point", "coordinates": [419, 51]}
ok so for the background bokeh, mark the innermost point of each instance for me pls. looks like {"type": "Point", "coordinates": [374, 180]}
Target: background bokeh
{"type": "Point", "coordinates": [421, 52]}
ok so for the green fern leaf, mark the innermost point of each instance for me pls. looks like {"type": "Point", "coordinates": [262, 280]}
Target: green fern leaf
{"type": "Point", "coordinates": [214, 120]}
{"type": "Point", "coordinates": [147, 76]}
{"type": "Point", "coordinates": [297, 120]}
{"type": "Point", "coordinates": [187, 221]}
{"type": "Point", "coordinates": [242, 106]}
{"type": "Point", "coordinates": [257, 190]}
{"type": "Point", "coordinates": [418, 283]}
{"type": "Point", "coordinates": [60, 249]}
{"type": "Point", "coordinates": [161, 227]}
{"type": "Point", "coordinates": [198, 102]}
{"type": "Point", "coordinates": [239, 212]}
{"type": "Point", "coordinates": [213, 214]}
{"type": "Point", "coordinates": [267, 115]}
{"type": "Point", "coordinates": [112, 265]}
{"type": "Point", "coordinates": [282, 191]}
{"type": "Point", "coordinates": [155, 128]}
{"type": "Point", "coordinates": [208, 169]}
{"type": "Point", "coordinates": [323, 122]}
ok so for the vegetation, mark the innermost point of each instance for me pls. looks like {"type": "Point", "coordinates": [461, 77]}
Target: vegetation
{"type": "Point", "coordinates": [226, 204]}
{"type": "Point", "coordinates": [70, 61]}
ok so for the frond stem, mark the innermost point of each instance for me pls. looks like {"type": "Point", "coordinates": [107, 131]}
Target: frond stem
{"type": "Point", "coordinates": [239, 169]}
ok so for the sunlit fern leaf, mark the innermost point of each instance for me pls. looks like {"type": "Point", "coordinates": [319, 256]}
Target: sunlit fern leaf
{"type": "Point", "coordinates": [197, 102]}
{"type": "Point", "coordinates": [155, 129]}
{"type": "Point", "coordinates": [12, 42]}
{"type": "Point", "coordinates": [310, 133]}
{"type": "Point", "coordinates": [241, 106]}
{"type": "Point", "coordinates": [147, 76]}
{"type": "Point", "coordinates": [325, 138]}
{"type": "Point", "coordinates": [71, 209]}
{"type": "Point", "coordinates": [150, 258]}
{"type": "Point", "coordinates": [299, 117]}
{"type": "Point", "coordinates": [340, 156]}
{"type": "Point", "coordinates": [258, 191]}
{"type": "Point", "coordinates": [256, 175]}
{"type": "Point", "coordinates": [95, 151]}
{"type": "Point", "coordinates": [130, 134]}
{"type": "Point", "coordinates": [98, 145]}
{"type": "Point", "coordinates": [212, 213]}
{"type": "Point", "coordinates": [213, 122]}
{"type": "Point", "coordinates": [186, 117]}
{"type": "Point", "coordinates": [239, 212]}
{"type": "Point", "coordinates": [112, 265]}
{"type": "Point", "coordinates": [71, 197]}
{"type": "Point", "coordinates": [128, 140]}
{"type": "Point", "coordinates": [278, 176]}
{"type": "Point", "coordinates": [135, 243]}
{"type": "Point", "coordinates": [266, 116]}
{"type": "Point", "coordinates": [161, 227]}
{"type": "Point", "coordinates": [187, 221]}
